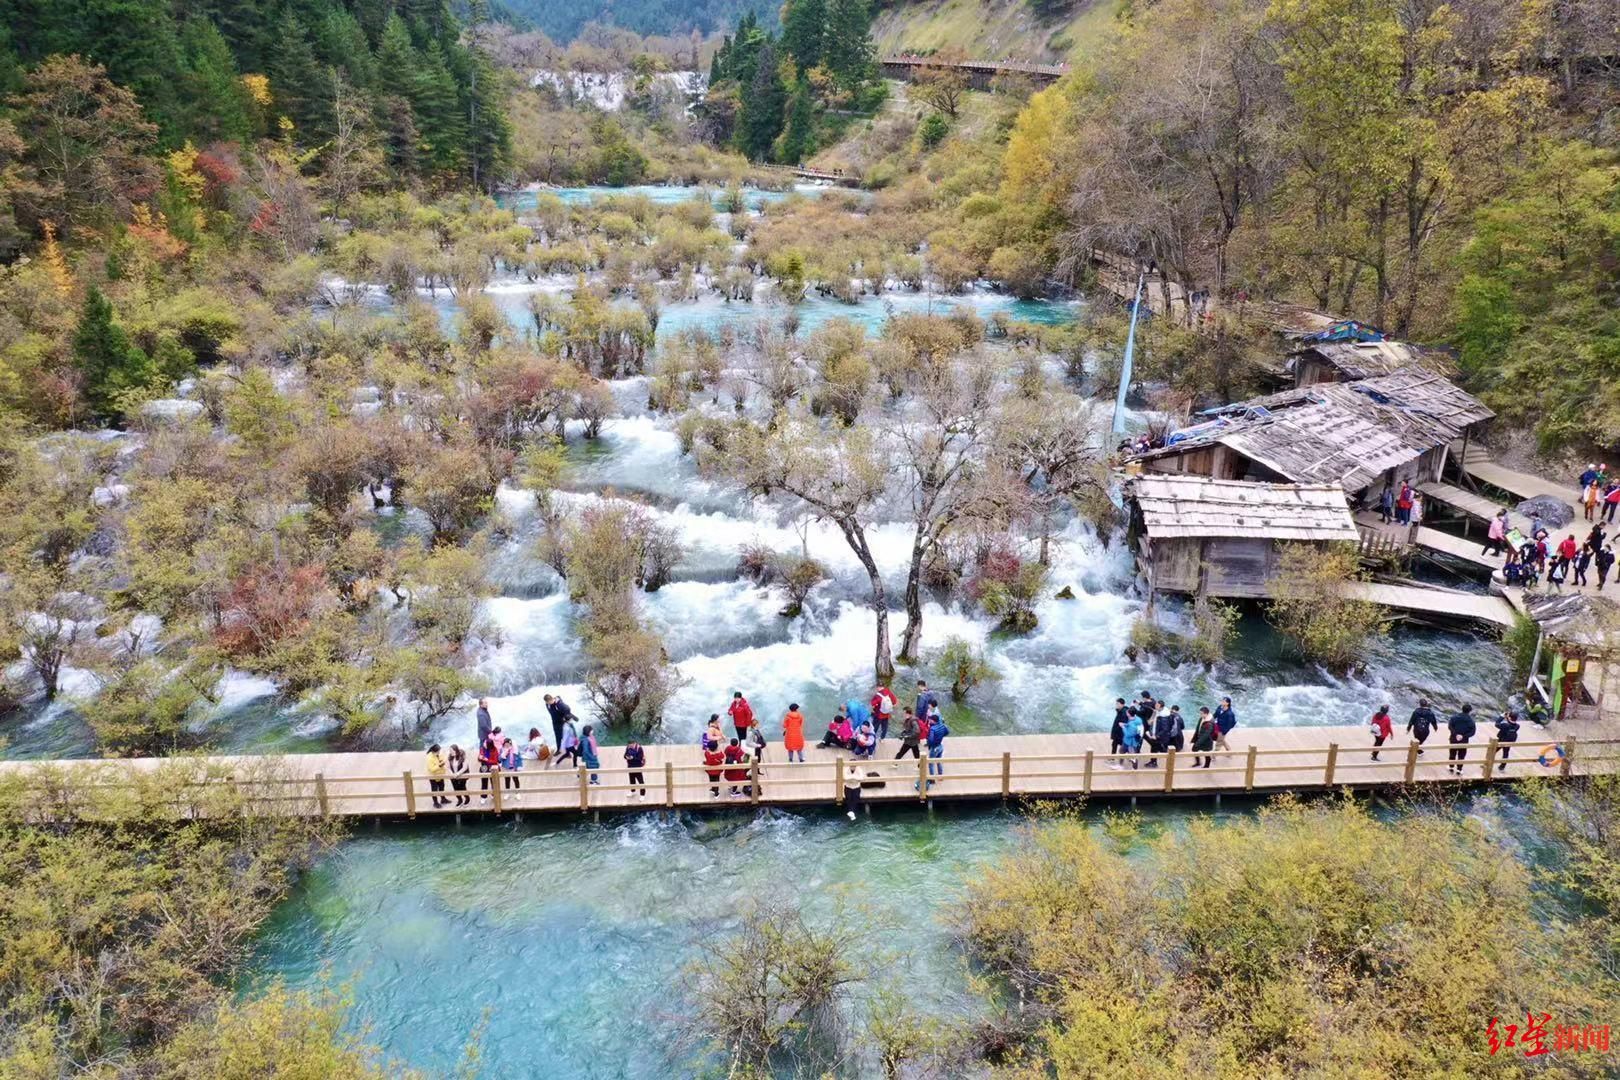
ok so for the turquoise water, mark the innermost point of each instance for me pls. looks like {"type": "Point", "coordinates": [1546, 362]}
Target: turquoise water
{"type": "Point", "coordinates": [662, 194]}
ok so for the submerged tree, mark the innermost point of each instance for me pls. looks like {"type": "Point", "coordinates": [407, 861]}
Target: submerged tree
{"type": "Point", "coordinates": [1312, 608]}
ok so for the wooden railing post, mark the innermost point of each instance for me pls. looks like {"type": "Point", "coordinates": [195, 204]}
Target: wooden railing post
{"type": "Point", "coordinates": [320, 795]}
{"type": "Point", "coordinates": [410, 795]}
{"type": "Point", "coordinates": [1248, 770]}
{"type": "Point", "coordinates": [1569, 752]}
{"type": "Point", "coordinates": [495, 783]}
{"type": "Point", "coordinates": [1085, 781]}
{"type": "Point", "coordinates": [1170, 768]}
{"type": "Point", "coordinates": [1332, 763]}
{"type": "Point", "coordinates": [584, 789]}
{"type": "Point", "coordinates": [753, 781]}
{"type": "Point", "coordinates": [669, 783]}
{"type": "Point", "coordinates": [922, 777]}
{"type": "Point", "coordinates": [1411, 761]}
{"type": "Point", "coordinates": [838, 781]}
{"type": "Point", "coordinates": [1490, 758]}
{"type": "Point", "coordinates": [1006, 773]}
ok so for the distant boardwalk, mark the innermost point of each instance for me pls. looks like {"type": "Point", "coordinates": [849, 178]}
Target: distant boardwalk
{"type": "Point", "coordinates": [981, 73]}
{"type": "Point", "coordinates": [1263, 760]}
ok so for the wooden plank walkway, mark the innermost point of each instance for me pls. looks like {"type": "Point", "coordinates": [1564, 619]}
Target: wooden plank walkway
{"type": "Point", "coordinates": [975, 768]}
{"type": "Point", "coordinates": [1443, 543]}
{"type": "Point", "coordinates": [1443, 602]}
{"type": "Point", "coordinates": [1478, 464]}
{"type": "Point", "coordinates": [1475, 506]}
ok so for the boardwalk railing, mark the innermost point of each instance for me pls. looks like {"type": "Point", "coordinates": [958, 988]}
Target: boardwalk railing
{"type": "Point", "coordinates": [62, 790]}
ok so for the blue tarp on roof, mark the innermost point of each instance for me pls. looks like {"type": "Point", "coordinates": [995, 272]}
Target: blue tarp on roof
{"type": "Point", "coordinates": [1347, 330]}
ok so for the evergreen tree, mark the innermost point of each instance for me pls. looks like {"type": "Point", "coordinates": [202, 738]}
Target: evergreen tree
{"type": "Point", "coordinates": [489, 136]}
{"type": "Point", "coordinates": [804, 29]}
{"type": "Point", "coordinates": [218, 107]}
{"type": "Point", "coordinates": [108, 361]}
{"type": "Point", "coordinates": [798, 138]}
{"type": "Point", "coordinates": [437, 109]}
{"type": "Point", "coordinates": [743, 61]}
{"type": "Point", "coordinates": [848, 49]}
{"type": "Point", "coordinates": [340, 42]}
{"type": "Point", "coordinates": [761, 120]}
{"type": "Point", "coordinates": [296, 80]}
{"type": "Point", "coordinates": [717, 66]}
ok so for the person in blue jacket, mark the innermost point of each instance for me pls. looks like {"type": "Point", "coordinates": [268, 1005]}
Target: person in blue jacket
{"type": "Point", "coordinates": [1133, 739]}
{"type": "Point", "coordinates": [926, 701]}
{"type": "Point", "coordinates": [1225, 721]}
{"type": "Point", "coordinates": [936, 745]}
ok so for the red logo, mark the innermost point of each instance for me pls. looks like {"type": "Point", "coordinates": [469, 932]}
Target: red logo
{"type": "Point", "coordinates": [1531, 1038]}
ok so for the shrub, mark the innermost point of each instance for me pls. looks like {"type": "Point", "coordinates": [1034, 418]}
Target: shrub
{"type": "Point", "coordinates": [966, 665]}
{"type": "Point", "coordinates": [1311, 610]}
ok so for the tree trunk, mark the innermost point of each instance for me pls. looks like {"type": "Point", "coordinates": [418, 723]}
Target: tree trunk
{"type": "Point", "coordinates": [911, 641]}
{"type": "Point", "coordinates": [882, 659]}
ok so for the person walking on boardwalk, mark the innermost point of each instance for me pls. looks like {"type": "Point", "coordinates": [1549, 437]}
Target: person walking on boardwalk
{"type": "Point", "coordinates": [713, 758]}
{"type": "Point", "coordinates": [485, 723]}
{"type": "Point", "coordinates": [489, 759]}
{"type": "Point", "coordinates": [1386, 504]}
{"type": "Point", "coordinates": [1134, 729]}
{"type": "Point", "coordinates": [511, 766]}
{"type": "Point", "coordinates": [1225, 721]}
{"type": "Point", "coordinates": [936, 744]}
{"type": "Point", "coordinates": [1461, 728]}
{"type": "Point", "coordinates": [1567, 550]}
{"type": "Point", "coordinates": [1381, 728]}
{"type": "Point", "coordinates": [1116, 731]}
{"type": "Point", "coordinates": [793, 732]}
{"type": "Point", "coordinates": [590, 752]}
{"type": "Point", "coordinates": [1507, 733]}
{"type": "Point", "coordinates": [1605, 561]}
{"type": "Point", "coordinates": [458, 774]}
{"type": "Point", "coordinates": [1611, 502]}
{"type": "Point", "coordinates": [1203, 740]}
{"type": "Point", "coordinates": [435, 771]}
{"type": "Point", "coordinates": [560, 714]}
{"type": "Point", "coordinates": [883, 705]}
{"type": "Point", "coordinates": [635, 759]}
{"type": "Point", "coordinates": [568, 743]}
{"type": "Point", "coordinates": [1589, 477]}
{"type": "Point", "coordinates": [910, 735]}
{"type": "Point", "coordinates": [742, 714]}
{"type": "Point", "coordinates": [1496, 535]}
{"type": "Point", "coordinates": [926, 702]}
{"type": "Point", "coordinates": [1178, 729]}
{"type": "Point", "coordinates": [1589, 500]}
{"type": "Point", "coordinates": [1421, 722]}
{"type": "Point", "coordinates": [1165, 724]}
{"type": "Point", "coordinates": [852, 791]}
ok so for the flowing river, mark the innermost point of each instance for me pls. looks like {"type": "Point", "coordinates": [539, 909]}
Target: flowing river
{"type": "Point", "coordinates": [566, 938]}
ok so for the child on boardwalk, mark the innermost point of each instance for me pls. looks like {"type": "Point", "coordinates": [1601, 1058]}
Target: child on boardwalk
{"type": "Point", "coordinates": [635, 759]}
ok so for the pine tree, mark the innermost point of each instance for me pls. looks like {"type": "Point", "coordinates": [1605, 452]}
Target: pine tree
{"type": "Point", "coordinates": [297, 82]}
{"type": "Point", "coordinates": [798, 138]}
{"type": "Point", "coordinates": [849, 52]}
{"type": "Point", "coordinates": [218, 107]}
{"type": "Point", "coordinates": [437, 108]}
{"type": "Point", "coordinates": [761, 119]}
{"type": "Point", "coordinates": [106, 358]}
{"type": "Point", "coordinates": [804, 29]}
{"type": "Point", "coordinates": [489, 136]}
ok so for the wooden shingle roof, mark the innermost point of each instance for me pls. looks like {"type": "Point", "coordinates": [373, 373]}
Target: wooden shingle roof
{"type": "Point", "coordinates": [1175, 506]}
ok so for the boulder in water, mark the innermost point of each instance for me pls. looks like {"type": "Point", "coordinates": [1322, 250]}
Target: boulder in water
{"type": "Point", "coordinates": [1554, 513]}
{"type": "Point", "coordinates": [1065, 593]}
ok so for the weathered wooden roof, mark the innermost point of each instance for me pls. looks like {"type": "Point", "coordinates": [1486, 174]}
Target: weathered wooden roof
{"type": "Point", "coordinates": [1368, 359]}
{"type": "Point", "coordinates": [1196, 506]}
{"type": "Point", "coordinates": [1577, 618]}
{"type": "Point", "coordinates": [1341, 433]}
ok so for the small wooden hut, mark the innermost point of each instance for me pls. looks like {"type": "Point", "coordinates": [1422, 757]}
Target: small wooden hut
{"type": "Point", "coordinates": [1224, 538]}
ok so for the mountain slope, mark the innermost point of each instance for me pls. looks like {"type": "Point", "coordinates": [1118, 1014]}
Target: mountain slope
{"type": "Point", "coordinates": [993, 29]}
{"type": "Point", "coordinates": [562, 20]}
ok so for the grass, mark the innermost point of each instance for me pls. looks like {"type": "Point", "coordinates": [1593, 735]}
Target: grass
{"type": "Point", "coordinates": [994, 28]}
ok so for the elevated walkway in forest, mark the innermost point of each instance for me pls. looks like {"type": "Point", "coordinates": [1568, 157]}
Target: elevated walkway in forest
{"type": "Point", "coordinates": [1476, 462]}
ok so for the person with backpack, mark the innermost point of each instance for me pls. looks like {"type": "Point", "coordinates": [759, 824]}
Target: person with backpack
{"type": "Point", "coordinates": [742, 715]}
{"type": "Point", "coordinates": [1203, 740]}
{"type": "Point", "coordinates": [535, 749]}
{"type": "Point", "coordinates": [1507, 733]}
{"type": "Point", "coordinates": [590, 752]}
{"type": "Point", "coordinates": [458, 774]}
{"type": "Point", "coordinates": [910, 735]}
{"type": "Point", "coordinates": [1225, 721]}
{"type": "Point", "coordinates": [793, 731]}
{"type": "Point", "coordinates": [635, 759]}
{"type": "Point", "coordinates": [1178, 729]}
{"type": "Point", "coordinates": [883, 706]}
{"type": "Point", "coordinates": [926, 702]}
{"type": "Point", "coordinates": [1461, 728]}
{"type": "Point", "coordinates": [1166, 726]}
{"type": "Point", "coordinates": [1421, 722]}
{"type": "Point", "coordinates": [1134, 729]}
{"type": "Point", "coordinates": [936, 745]}
{"type": "Point", "coordinates": [1381, 727]}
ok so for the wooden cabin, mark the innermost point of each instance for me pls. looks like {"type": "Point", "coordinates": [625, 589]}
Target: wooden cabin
{"type": "Point", "coordinates": [1225, 538]}
{"type": "Point", "coordinates": [1353, 435]}
{"type": "Point", "coordinates": [1351, 361]}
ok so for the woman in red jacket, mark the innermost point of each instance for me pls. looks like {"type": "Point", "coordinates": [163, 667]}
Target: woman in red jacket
{"type": "Point", "coordinates": [1381, 728]}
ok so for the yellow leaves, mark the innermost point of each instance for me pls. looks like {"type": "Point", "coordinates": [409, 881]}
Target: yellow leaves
{"type": "Point", "coordinates": [56, 266]}
{"type": "Point", "coordinates": [1029, 166]}
{"type": "Point", "coordinates": [151, 231]}
{"type": "Point", "coordinates": [258, 88]}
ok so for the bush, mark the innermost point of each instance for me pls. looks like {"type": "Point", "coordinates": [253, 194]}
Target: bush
{"type": "Point", "coordinates": [932, 131]}
{"type": "Point", "coordinates": [1311, 609]}
{"type": "Point", "coordinates": [965, 664]}
{"type": "Point", "coordinates": [1009, 587]}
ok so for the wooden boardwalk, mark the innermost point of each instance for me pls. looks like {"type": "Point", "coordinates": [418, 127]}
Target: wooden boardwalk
{"type": "Point", "coordinates": [1446, 603]}
{"type": "Point", "coordinates": [1441, 543]}
{"type": "Point", "coordinates": [1261, 760]}
{"type": "Point", "coordinates": [1478, 464]}
{"type": "Point", "coordinates": [1475, 506]}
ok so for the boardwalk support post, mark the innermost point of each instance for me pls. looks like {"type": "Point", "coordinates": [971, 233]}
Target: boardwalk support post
{"type": "Point", "coordinates": [1006, 774]}
{"type": "Point", "coordinates": [1085, 781]}
{"type": "Point", "coordinates": [753, 782]}
{"type": "Point", "coordinates": [1412, 749]}
{"type": "Point", "coordinates": [1248, 770]}
{"type": "Point", "coordinates": [1332, 763]}
{"type": "Point", "coordinates": [669, 784]}
{"type": "Point", "coordinates": [1569, 752]}
{"type": "Point", "coordinates": [495, 782]}
{"type": "Point", "coordinates": [1490, 758]}
{"type": "Point", "coordinates": [1170, 768]}
{"type": "Point", "coordinates": [410, 795]}
{"type": "Point", "coordinates": [320, 795]}
{"type": "Point", "coordinates": [922, 777]}
{"type": "Point", "coordinates": [584, 790]}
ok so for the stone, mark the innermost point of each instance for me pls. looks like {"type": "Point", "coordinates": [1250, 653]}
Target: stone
{"type": "Point", "coordinates": [1554, 513]}
{"type": "Point", "coordinates": [1065, 593]}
